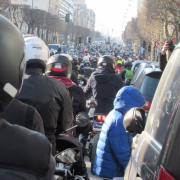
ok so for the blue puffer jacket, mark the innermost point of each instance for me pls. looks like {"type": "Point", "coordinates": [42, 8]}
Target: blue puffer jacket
{"type": "Point", "coordinates": [114, 145]}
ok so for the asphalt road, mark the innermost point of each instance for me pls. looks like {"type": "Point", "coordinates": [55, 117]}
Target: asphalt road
{"type": "Point", "coordinates": [88, 165]}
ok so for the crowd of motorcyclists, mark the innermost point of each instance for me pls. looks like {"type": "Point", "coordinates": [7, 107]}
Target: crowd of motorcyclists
{"type": "Point", "coordinates": [41, 95]}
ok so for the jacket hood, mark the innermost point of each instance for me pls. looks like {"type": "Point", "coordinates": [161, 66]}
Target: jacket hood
{"type": "Point", "coordinates": [103, 75]}
{"type": "Point", "coordinates": [127, 98]}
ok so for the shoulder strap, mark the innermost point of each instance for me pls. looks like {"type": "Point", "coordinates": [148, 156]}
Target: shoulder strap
{"type": "Point", "coordinates": [29, 117]}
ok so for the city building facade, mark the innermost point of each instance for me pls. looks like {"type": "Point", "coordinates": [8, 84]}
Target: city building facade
{"type": "Point", "coordinates": [83, 16]}
{"type": "Point", "coordinates": [35, 4]}
{"type": "Point", "coordinates": [66, 7]}
{"type": "Point", "coordinates": [54, 7]}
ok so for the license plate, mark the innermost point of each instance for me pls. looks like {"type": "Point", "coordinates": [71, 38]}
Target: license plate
{"type": "Point", "coordinates": [97, 126]}
{"type": "Point", "coordinates": [60, 166]}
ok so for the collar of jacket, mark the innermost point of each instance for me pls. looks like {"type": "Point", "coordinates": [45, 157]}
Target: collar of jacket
{"type": "Point", "coordinates": [31, 71]}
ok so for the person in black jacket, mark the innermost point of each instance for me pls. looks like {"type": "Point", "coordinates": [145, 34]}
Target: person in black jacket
{"type": "Point", "coordinates": [104, 84]}
{"type": "Point", "coordinates": [75, 69]}
{"type": "Point", "coordinates": [162, 57]}
{"type": "Point", "coordinates": [24, 154]}
{"type": "Point", "coordinates": [49, 96]}
{"type": "Point", "coordinates": [63, 74]}
{"type": "Point", "coordinates": [23, 115]}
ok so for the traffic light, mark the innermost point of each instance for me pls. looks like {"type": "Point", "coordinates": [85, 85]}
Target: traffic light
{"type": "Point", "coordinates": [89, 40]}
{"type": "Point", "coordinates": [144, 44]}
{"type": "Point", "coordinates": [79, 41]}
{"type": "Point", "coordinates": [149, 48]}
{"type": "Point", "coordinates": [67, 17]}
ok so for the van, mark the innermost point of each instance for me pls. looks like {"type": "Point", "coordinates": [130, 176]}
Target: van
{"type": "Point", "coordinates": [156, 151]}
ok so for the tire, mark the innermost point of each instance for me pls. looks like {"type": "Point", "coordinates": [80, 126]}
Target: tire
{"type": "Point", "coordinates": [93, 153]}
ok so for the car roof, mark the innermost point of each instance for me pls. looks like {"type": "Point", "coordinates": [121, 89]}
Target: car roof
{"type": "Point", "coordinates": [54, 44]}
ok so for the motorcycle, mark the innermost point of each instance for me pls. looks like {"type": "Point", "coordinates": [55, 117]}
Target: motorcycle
{"type": "Point", "coordinates": [97, 123]}
{"type": "Point", "coordinates": [72, 169]}
{"type": "Point", "coordinates": [64, 164]}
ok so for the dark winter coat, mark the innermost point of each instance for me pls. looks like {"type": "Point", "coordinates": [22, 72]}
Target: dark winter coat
{"type": "Point", "coordinates": [104, 85]}
{"type": "Point", "coordinates": [24, 154]}
{"type": "Point", "coordinates": [23, 115]}
{"type": "Point", "coordinates": [162, 62]}
{"type": "Point", "coordinates": [51, 99]}
{"type": "Point", "coordinates": [114, 145]}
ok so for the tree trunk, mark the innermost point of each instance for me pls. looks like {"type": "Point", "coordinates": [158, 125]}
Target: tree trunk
{"type": "Point", "coordinates": [38, 32]}
{"type": "Point", "coordinates": [47, 35]}
{"type": "Point", "coordinates": [29, 28]}
{"type": "Point", "coordinates": [65, 38]}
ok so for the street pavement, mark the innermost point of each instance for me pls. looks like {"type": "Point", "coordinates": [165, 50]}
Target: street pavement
{"type": "Point", "coordinates": [88, 165]}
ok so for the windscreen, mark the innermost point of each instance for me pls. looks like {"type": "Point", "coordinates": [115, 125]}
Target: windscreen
{"type": "Point", "coordinates": [55, 47]}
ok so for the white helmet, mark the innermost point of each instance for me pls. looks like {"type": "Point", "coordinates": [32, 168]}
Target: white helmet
{"type": "Point", "coordinates": [85, 58]}
{"type": "Point", "coordinates": [37, 53]}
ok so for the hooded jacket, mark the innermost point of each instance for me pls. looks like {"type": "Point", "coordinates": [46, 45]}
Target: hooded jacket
{"type": "Point", "coordinates": [51, 99]}
{"type": "Point", "coordinates": [114, 145]}
{"type": "Point", "coordinates": [104, 85]}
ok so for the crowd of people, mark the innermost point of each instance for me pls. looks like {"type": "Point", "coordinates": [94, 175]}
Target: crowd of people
{"type": "Point", "coordinates": [40, 98]}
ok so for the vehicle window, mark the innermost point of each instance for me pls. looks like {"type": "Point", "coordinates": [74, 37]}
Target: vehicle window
{"type": "Point", "coordinates": [137, 73]}
{"type": "Point", "coordinates": [63, 46]}
{"type": "Point", "coordinates": [136, 66]}
{"type": "Point", "coordinates": [55, 47]}
{"type": "Point", "coordinates": [139, 80]}
{"type": "Point", "coordinates": [149, 85]}
{"type": "Point", "coordinates": [165, 99]}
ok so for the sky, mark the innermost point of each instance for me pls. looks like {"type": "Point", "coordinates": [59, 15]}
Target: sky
{"type": "Point", "coordinates": [110, 15]}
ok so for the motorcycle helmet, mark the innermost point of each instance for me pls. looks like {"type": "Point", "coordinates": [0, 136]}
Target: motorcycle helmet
{"type": "Point", "coordinates": [75, 60]}
{"type": "Point", "coordinates": [119, 63]}
{"type": "Point", "coordinates": [87, 64]}
{"type": "Point", "coordinates": [12, 58]}
{"type": "Point", "coordinates": [106, 62]}
{"type": "Point", "coordinates": [128, 65]}
{"type": "Point", "coordinates": [59, 65]}
{"type": "Point", "coordinates": [85, 58]}
{"type": "Point", "coordinates": [37, 53]}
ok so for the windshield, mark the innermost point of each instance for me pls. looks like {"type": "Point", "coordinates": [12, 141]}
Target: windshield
{"type": "Point", "coordinates": [55, 47]}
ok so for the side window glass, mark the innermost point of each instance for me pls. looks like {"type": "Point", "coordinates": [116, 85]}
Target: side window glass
{"type": "Point", "coordinates": [165, 100]}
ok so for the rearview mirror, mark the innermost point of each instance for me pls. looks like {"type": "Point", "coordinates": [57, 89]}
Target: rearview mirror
{"type": "Point", "coordinates": [69, 156]}
{"type": "Point", "coordinates": [82, 119]}
{"type": "Point", "coordinates": [135, 120]}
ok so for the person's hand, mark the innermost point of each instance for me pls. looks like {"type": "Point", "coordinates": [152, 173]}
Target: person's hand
{"type": "Point", "coordinates": [165, 48]}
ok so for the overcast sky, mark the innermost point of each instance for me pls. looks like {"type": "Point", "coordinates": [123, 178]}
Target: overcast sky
{"type": "Point", "coordinates": [110, 14]}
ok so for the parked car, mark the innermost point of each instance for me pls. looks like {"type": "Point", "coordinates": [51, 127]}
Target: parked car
{"type": "Point", "coordinates": [137, 63]}
{"type": "Point", "coordinates": [156, 149]}
{"type": "Point", "coordinates": [147, 82]}
{"type": "Point", "coordinates": [141, 67]}
{"type": "Point", "coordinates": [53, 47]}
{"type": "Point", "coordinates": [64, 48]}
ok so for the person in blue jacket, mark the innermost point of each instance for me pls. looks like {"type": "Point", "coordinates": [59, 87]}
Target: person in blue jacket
{"type": "Point", "coordinates": [114, 146]}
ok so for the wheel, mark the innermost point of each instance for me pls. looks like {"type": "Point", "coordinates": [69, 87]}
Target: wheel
{"type": "Point", "coordinates": [93, 152]}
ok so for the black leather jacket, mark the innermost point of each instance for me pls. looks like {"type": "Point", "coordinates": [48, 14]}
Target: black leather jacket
{"type": "Point", "coordinates": [51, 99]}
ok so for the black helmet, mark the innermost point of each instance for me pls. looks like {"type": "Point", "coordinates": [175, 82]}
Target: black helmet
{"type": "Point", "coordinates": [12, 58]}
{"type": "Point", "coordinates": [106, 62]}
{"type": "Point", "coordinates": [59, 65]}
{"type": "Point", "coordinates": [128, 65]}
{"type": "Point", "coordinates": [75, 60]}
{"type": "Point", "coordinates": [87, 64]}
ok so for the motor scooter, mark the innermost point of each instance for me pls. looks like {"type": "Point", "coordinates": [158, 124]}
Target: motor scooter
{"type": "Point", "coordinates": [97, 122]}
{"type": "Point", "coordinates": [64, 142]}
